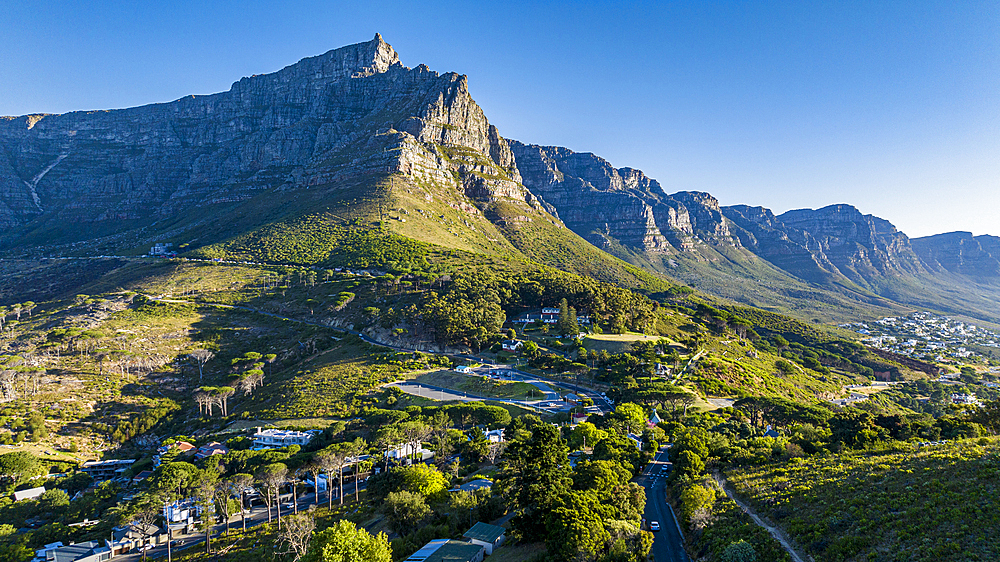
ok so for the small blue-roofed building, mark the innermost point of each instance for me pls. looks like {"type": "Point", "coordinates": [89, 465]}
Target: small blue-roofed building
{"type": "Point", "coordinates": [90, 551]}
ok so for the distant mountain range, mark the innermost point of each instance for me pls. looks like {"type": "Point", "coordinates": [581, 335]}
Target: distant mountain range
{"type": "Point", "coordinates": [352, 137]}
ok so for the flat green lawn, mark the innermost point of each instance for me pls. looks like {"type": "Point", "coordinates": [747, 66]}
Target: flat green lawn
{"type": "Point", "coordinates": [615, 343]}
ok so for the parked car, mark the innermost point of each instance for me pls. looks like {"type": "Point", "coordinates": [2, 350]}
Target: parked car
{"type": "Point", "coordinates": [654, 526]}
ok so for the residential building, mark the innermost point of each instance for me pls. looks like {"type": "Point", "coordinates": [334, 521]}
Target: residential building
{"type": "Point", "coordinates": [495, 436]}
{"type": "Point", "coordinates": [512, 345]}
{"type": "Point", "coordinates": [210, 450]}
{"type": "Point", "coordinates": [90, 551]}
{"type": "Point", "coordinates": [406, 450]}
{"type": "Point", "coordinates": [182, 447]}
{"type": "Point", "coordinates": [106, 470]}
{"type": "Point", "coordinates": [141, 476]}
{"type": "Point", "coordinates": [274, 438]}
{"type": "Point", "coordinates": [473, 485]}
{"type": "Point", "coordinates": [965, 399]}
{"type": "Point", "coordinates": [489, 536]}
{"type": "Point", "coordinates": [161, 249]}
{"type": "Point", "coordinates": [463, 369]}
{"type": "Point", "coordinates": [30, 494]}
{"type": "Point", "coordinates": [654, 419]}
{"type": "Point", "coordinates": [578, 417]}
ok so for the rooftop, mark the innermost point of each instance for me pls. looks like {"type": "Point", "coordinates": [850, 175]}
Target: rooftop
{"type": "Point", "coordinates": [485, 532]}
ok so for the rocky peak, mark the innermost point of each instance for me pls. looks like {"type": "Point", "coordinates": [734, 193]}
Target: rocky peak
{"type": "Point", "coordinates": [706, 215]}
{"type": "Point", "coordinates": [352, 112]}
{"type": "Point", "coordinates": [960, 252]}
{"type": "Point", "coordinates": [858, 245]}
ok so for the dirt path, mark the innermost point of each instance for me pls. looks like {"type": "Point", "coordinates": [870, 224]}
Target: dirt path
{"type": "Point", "coordinates": [777, 533]}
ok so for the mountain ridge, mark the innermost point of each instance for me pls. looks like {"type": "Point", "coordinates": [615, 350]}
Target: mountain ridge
{"type": "Point", "coordinates": [353, 135]}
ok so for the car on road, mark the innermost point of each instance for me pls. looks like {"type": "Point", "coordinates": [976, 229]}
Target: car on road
{"type": "Point", "coordinates": [654, 525]}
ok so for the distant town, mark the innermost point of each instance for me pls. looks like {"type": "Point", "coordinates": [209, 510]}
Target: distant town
{"type": "Point", "coordinates": [927, 337]}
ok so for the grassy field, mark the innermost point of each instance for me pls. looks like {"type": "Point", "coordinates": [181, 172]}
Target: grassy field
{"type": "Point", "coordinates": [615, 343]}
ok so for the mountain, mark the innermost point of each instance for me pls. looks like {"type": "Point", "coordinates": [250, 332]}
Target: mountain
{"type": "Point", "coordinates": [961, 252]}
{"type": "Point", "coordinates": [823, 262]}
{"type": "Point", "coordinates": [345, 140]}
{"type": "Point", "coordinates": [285, 167]}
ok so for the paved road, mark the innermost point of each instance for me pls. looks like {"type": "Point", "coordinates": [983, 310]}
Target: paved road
{"type": "Point", "coordinates": [668, 544]}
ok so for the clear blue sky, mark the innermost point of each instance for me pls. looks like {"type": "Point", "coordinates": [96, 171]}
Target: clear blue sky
{"type": "Point", "coordinates": [890, 106]}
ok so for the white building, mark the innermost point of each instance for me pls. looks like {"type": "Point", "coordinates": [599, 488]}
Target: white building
{"type": "Point", "coordinates": [275, 438]}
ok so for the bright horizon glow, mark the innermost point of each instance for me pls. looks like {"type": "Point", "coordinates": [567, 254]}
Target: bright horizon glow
{"type": "Point", "coordinates": [891, 107]}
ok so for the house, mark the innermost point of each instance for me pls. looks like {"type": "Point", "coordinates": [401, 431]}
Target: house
{"type": "Point", "coordinates": [183, 447]}
{"type": "Point", "coordinates": [406, 450]}
{"type": "Point", "coordinates": [29, 494]}
{"type": "Point", "coordinates": [105, 470]}
{"type": "Point", "coordinates": [512, 345]}
{"type": "Point", "coordinates": [210, 450]}
{"type": "Point", "coordinates": [495, 436]}
{"type": "Point", "coordinates": [578, 417]}
{"type": "Point", "coordinates": [489, 536]}
{"type": "Point", "coordinates": [160, 249]}
{"type": "Point", "coordinates": [654, 419]}
{"type": "Point", "coordinates": [90, 551]}
{"type": "Point", "coordinates": [771, 433]}
{"type": "Point", "coordinates": [473, 485]}
{"type": "Point", "coordinates": [40, 553]}
{"type": "Point", "coordinates": [141, 476]}
{"type": "Point", "coordinates": [274, 438]}
{"type": "Point", "coordinates": [550, 310]}
{"type": "Point", "coordinates": [442, 550]}
{"type": "Point", "coordinates": [463, 369]}
{"type": "Point", "coordinates": [967, 399]}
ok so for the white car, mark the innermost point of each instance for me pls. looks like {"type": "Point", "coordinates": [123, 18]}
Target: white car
{"type": "Point", "coordinates": [654, 525]}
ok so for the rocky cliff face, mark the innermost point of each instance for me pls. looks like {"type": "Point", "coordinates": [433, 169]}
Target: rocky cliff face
{"type": "Point", "coordinates": [351, 112]}
{"type": "Point", "coordinates": [960, 252]}
{"type": "Point", "coordinates": [608, 205]}
{"type": "Point", "coordinates": [859, 246]}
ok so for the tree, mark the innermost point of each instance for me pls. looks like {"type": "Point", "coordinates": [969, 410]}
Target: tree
{"type": "Point", "coordinates": [271, 477]}
{"type": "Point", "coordinates": [567, 323]}
{"type": "Point", "coordinates": [205, 487]}
{"type": "Point", "coordinates": [688, 462]}
{"type": "Point", "coordinates": [536, 473]}
{"type": "Point", "coordinates": [405, 510]}
{"type": "Point", "coordinates": [296, 534]}
{"type": "Point", "coordinates": [575, 533]}
{"type": "Point", "coordinates": [200, 357]}
{"type": "Point", "coordinates": [632, 415]}
{"type": "Point", "coordinates": [739, 551]}
{"type": "Point", "coordinates": [142, 515]}
{"type": "Point", "coordinates": [313, 469]}
{"type": "Point", "coordinates": [345, 542]}
{"type": "Point", "coordinates": [221, 397]}
{"type": "Point", "coordinates": [355, 449]}
{"type": "Point", "coordinates": [19, 466]}
{"type": "Point", "coordinates": [331, 459]}
{"type": "Point", "coordinates": [238, 484]}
